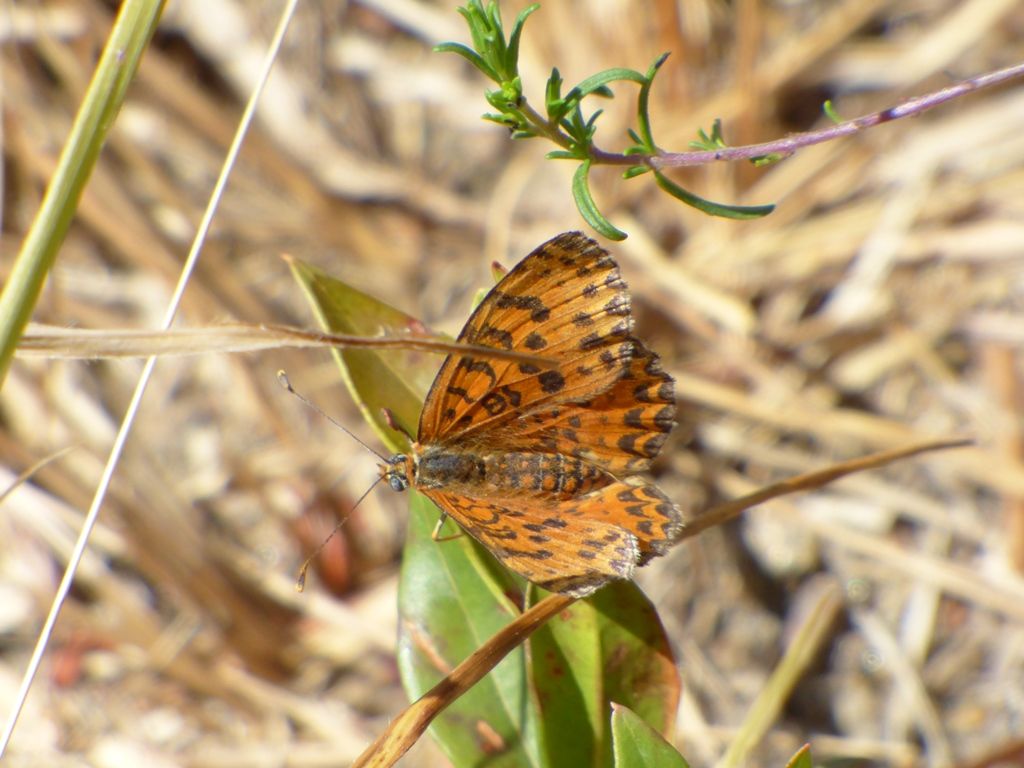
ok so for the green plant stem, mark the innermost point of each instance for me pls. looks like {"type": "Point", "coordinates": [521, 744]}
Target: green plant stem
{"type": "Point", "coordinates": [129, 36]}
{"type": "Point", "coordinates": [545, 127]}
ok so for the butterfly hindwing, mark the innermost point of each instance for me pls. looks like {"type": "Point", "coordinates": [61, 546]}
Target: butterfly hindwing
{"type": "Point", "coordinates": [571, 554]}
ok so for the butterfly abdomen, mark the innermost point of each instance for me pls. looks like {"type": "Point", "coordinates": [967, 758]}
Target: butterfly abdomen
{"type": "Point", "coordinates": [504, 474]}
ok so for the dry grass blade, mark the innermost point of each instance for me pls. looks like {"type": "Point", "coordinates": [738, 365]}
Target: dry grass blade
{"type": "Point", "coordinates": [408, 726]}
{"type": "Point", "coordinates": [722, 513]}
{"type": "Point", "coordinates": [806, 645]}
{"type": "Point", "coordinates": [94, 344]}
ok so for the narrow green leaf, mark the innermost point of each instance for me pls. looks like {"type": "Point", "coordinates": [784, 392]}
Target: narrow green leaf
{"type": "Point", "coordinates": [741, 212]}
{"type": "Point", "coordinates": [830, 112]}
{"type": "Point", "coordinates": [637, 745]}
{"type": "Point", "coordinates": [478, 23]}
{"type": "Point", "coordinates": [469, 55]}
{"type": "Point", "coordinates": [636, 170]}
{"type": "Point", "coordinates": [561, 154]}
{"type": "Point", "coordinates": [512, 53]}
{"type": "Point", "coordinates": [588, 208]}
{"type": "Point", "coordinates": [600, 81]}
{"type": "Point", "coordinates": [553, 102]}
{"type": "Point", "coordinates": [646, 138]}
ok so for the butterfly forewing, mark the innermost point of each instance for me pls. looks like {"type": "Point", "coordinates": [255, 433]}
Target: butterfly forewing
{"type": "Point", "coordinates": [565, 301]}
{"type": "Point", "coordinates": [621, 430]}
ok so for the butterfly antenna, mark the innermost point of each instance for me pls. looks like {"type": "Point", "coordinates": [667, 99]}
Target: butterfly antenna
{"type": "Point", "coordinates": [282, 378]}
{"type": "Point", "coordinates": [300, 582]}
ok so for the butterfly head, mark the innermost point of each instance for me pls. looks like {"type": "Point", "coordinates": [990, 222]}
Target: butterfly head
{"type": "Point", "coordinates": [398, 471]}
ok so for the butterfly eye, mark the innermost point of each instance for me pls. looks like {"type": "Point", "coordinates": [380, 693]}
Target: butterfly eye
{"type": "Point", "coordinates": [394, 472]}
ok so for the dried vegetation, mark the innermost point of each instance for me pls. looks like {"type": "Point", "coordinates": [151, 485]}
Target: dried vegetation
{"type": "Point", "coordinates": [882, 303]}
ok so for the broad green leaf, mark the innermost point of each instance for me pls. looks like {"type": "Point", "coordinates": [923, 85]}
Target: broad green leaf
{"type": "Point", "coordinates": [639, 669]}
{"type": "Point", "coordinates": [395, 379]}
{"type": "Point", "coordinates": [637, 745]}
{"type": "Point", "coordinates": [453, 595]}
{"type": "Point", "coordinates": [565, 673]}
{"type": "Point", "coordinates": [802, 758]}
{"type": "Point", "coordinates": [608, 648]}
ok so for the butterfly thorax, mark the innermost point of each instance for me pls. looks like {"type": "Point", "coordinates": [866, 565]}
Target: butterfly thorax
{"type": "Point", "coordinates": [483, 474]}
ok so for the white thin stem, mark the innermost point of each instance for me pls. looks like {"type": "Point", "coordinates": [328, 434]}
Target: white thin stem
{"type": "Point", "coordinates": [147, 372]}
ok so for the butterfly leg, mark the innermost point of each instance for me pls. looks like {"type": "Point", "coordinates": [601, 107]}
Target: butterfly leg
{"type": "Point", "coordinates": [436, 535]}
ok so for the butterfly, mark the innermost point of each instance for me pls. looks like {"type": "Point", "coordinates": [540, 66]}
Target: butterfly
{"type": "Point", "coordinates": [540, 465]}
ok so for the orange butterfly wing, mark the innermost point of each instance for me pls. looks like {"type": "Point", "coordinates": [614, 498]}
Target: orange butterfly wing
{"type": "Point", "coordinates": [620, 430]}
{"type": "Point", "coordinates": [576, 546]}
{"type": "Point", "coordinates": [607, 405]}
{"type": "Point", "coordinates": [565, 301]}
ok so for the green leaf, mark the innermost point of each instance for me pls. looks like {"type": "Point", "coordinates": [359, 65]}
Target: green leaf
{"type": "Point", "coordinates": [512, 54]}
{"type": "Point", "coordinates": [395, 379]}
{"type": "Point", "coordinates": [646, 138]}
{"type": "Point", "coordinates": [597, 82]}
{"type": "Point", "coordinates": [710, 143]}
{"type": "Point", "coordinates": [637, 745]}
{"type": "Point", "coordinates": [561, 154]}
{"type": "Point", "coordinates": [567, 683]}
{"type": "Point", "coordinates": [636, 170]}
{"type": "Point", "coordinates": [452, 596]}
{"type": "Point", "coordinates": [608, 648]}
{"type": "Point", "coordinates": [802, 758]}
{"type": "Point", "coordinates": [553, 102]}
{"type": "Point", "coordinates": [588, 208]}
{"type": "Point", "coordinates": [639, 670]}
{"type": "Point", "coordinates": [469, 55]}
{"type": "Point", "coordinates": [830, 112]}
{"type": "Point", "coordinates": [741, 212]}
{"type": "Point", "coordinates": [479, 25]}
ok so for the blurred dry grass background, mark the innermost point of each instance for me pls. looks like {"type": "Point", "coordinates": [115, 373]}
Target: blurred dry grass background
{"type": "Point", "coordinates": [883, 302]}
